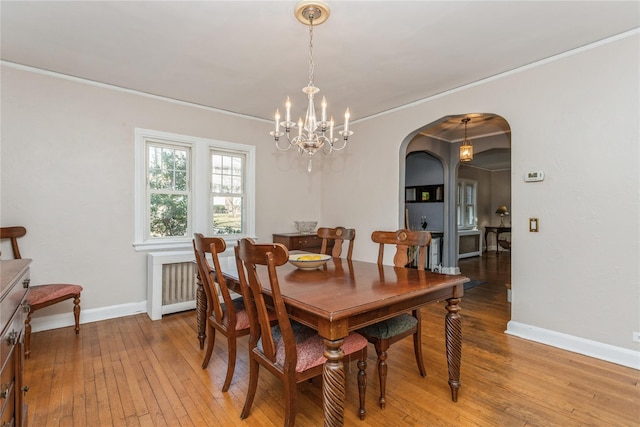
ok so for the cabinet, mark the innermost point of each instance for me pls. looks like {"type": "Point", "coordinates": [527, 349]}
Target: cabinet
{"type": "Point", "coordinates": [299, 241]}
{"type": "Point", "coordinates": [14, 277]}
{"type": "Point", "coordinates": [424, 193]}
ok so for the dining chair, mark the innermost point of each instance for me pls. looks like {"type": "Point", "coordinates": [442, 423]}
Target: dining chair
{"type": "Point", "coordinates": [336, 235]}
{"type": "Point", "coordinates": [384, 333]}
{"type": "Point", "coordinates": [291, 351]}
{"type": "Point", "coordinates": [228, 317]}
{"type": "Point", "coordinates": [42, 296]}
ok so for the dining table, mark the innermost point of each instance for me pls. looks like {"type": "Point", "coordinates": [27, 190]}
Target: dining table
{"type": "Point", "coordinates": [343, 295]}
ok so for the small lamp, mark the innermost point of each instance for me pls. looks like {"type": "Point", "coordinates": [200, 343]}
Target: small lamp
{"type": "Point", "coordinates": [502, 211]}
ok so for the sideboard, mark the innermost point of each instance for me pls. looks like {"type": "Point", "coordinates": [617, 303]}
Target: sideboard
{"type": "Point", "coordinates": [14, 278]}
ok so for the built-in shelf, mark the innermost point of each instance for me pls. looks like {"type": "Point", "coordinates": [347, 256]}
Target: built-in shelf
{"type": "Point", "coordinates": [424, 194]}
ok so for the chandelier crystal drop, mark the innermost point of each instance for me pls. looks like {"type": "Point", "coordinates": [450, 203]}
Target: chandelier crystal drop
{"type": "Point", "coordinates": [312, 135]}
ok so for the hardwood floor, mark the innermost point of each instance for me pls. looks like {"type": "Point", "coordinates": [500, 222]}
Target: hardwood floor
{"type": "Point", "coordinates": [135, 372]}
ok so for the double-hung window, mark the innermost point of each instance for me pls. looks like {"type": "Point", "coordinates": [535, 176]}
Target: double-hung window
{"type": "Point", "coordinates": [466, 209]}
{"type": "Point", "coordinates": [187, 184]}
{"type": "Point", "coordinates": [227, 192]}
{"type": "Point", "coordinates": [168, 168]}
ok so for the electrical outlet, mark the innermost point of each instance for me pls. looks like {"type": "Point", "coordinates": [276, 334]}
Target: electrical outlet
{"type": "Point", "coordinates": [636, 336]}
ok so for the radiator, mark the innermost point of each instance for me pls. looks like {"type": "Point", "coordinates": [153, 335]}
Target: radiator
{"type": "Point", "coordinates": [171, 283]}
{"type": "Point", "coordinates": [178, 283]}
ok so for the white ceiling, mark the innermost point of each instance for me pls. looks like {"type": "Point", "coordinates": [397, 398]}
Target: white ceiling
{"type": "Point", "coordinates": [247, 56]}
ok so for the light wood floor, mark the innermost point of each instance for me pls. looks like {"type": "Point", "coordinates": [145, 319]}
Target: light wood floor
{"type": "Point", "coordinates": [135, 372]}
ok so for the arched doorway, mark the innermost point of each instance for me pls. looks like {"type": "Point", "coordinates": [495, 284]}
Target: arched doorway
{"type": "Point", "coordinates": [439, 141]}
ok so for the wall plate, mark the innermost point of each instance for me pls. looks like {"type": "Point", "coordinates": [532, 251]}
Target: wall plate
{"type": "Point", "coordinates": [533, 176]}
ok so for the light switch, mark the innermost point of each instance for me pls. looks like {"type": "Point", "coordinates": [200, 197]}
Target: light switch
{"type": "Point", "coordinates": [533, 225]}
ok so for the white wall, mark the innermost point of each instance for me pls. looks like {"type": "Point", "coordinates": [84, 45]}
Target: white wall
{"type": "Point", "coordinates": [67, 175]}
{"type": "Point", "coordinates": [577, 119]}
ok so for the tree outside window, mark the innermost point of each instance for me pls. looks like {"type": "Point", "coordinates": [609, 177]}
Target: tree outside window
{"type": "Point", "coordinates": [168, 189]}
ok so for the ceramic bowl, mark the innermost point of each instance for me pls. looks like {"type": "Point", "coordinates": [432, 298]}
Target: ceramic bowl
{"type": "Point", "coordinates": [306, 227]}
{"type": "Point", "coordinates": [318, 260]}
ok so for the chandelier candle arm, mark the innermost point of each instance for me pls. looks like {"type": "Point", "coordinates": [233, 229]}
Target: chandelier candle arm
{"type": "Point", "coordinates": [312, 134]}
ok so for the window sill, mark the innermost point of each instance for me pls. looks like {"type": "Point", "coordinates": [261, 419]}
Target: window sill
{"type": "Point", "coordinates": [178, 245]}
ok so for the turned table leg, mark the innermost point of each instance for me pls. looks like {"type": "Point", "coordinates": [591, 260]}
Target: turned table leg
{"type": "Point", "coordinates": [201, 312]}
{"type": "Point", "coordinates": [453, 331]}
{"type": "Point", "coordinates": [333, 384]}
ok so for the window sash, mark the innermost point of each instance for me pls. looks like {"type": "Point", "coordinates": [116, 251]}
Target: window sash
{"type": "Point", "coordinates": [466, 204]}
{"type": "Point", "coordinates": [168, 190]}
{"type": "Point", "coordinates": [227, 198]}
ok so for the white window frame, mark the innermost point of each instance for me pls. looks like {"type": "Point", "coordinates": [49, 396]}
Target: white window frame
{"type": "Point", "coordinates": [461, 204]}
{"type": "Point", "coordinates": [201, 209]}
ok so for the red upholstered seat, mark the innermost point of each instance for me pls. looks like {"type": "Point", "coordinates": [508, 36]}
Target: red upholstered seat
{"type": "Point", "coordinates": [45, 293]}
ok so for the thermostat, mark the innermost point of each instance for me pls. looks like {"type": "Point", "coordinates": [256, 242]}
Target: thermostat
{"type": "Point", "coordinates": [534, 176]}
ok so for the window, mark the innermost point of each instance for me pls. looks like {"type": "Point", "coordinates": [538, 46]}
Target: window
{"type": "Point", "coordinates": [168, 190]}
{"type": "Point", "coordinates": [186, 184]}
{"type": "Point", "coordinates": [466, 209]}
{"type": "Point", "coordinates": [227, 192]}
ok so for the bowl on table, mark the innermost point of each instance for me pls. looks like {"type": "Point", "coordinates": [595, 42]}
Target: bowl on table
{"type": "Point", "coordinates": [305, 227]}
{"type": "Point", "coordinates": [309, 261]}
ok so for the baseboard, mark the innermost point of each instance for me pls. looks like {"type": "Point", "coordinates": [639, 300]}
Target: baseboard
{"type": "Point", "coordinates": [450, 270]}
{"type": "Point", "coordinates": [598, 350]}
{"type": "Point", "coordinates": [55, 321]}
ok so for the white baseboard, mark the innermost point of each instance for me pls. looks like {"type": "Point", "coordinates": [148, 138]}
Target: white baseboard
{"type": "Point", "coordinates": [450, 270]}
{"type": "Point", "coordinates": [44, 323]}
{"type": "Point", "coordinates": [598, 350]}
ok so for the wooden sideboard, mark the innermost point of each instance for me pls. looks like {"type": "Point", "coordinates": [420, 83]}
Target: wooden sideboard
{"type": "Point", "coordinates": [299, 241]}
{"type": "Point", "coordinates": [14, 277]}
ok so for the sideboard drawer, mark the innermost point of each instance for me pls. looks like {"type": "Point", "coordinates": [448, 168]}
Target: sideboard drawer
{"type": "Point", "coordinates": [298, 241]}
{"type": "Point", "coordinates": [13, 298]}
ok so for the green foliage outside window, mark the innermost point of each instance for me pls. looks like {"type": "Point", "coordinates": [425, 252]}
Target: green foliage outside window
{"type": "Point", "coordinates": [168, 185]}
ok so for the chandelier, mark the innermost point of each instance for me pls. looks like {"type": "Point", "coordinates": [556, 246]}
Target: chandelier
{"type": "Point", "coordinates": [466, 149]}
{"type": "Point", "coordinates": [312, 134]}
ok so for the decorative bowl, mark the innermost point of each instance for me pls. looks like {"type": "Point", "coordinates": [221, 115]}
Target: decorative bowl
{"type": "Point", "coordinates": [309, 261]}
{"type": "Point", "coordinates": [305, 227]}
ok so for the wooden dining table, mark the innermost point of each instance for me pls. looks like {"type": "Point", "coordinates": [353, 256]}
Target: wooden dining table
{"type": "Point", "coordinates": [342, 296]}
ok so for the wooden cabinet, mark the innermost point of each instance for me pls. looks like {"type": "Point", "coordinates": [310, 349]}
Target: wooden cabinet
{"type": "Point", "coordinates": [15, 283]}
{"type": "Point", "coordinates": [299, 241]}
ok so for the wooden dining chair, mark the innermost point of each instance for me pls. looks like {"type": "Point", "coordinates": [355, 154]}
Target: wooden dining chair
{"type": "Point", "coordinates": [289, 350]}
{"type": "Point", "coordinates": [228, 317]}
{"type": "Point", "coordinates": [42, 296]}
{"type": "Point", "coordinates": [383, 334]}
{"type": "Point", "coordinates": [336, 235]}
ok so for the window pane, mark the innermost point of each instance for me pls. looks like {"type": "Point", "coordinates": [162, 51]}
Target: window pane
{"type": "Point", "coordinates": [167, 168]}
{"type": "Point", "coordinates": [168, 216]}
{"type": "Point", "coordinates": [227, 215]}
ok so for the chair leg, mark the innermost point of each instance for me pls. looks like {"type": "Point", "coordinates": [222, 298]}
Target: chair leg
{"type": "Point", "coordinates": [211, 340]}
{"type": "Point", "coordinates": [27, 336]}
{"type": "Point", "coordinates": [382, 374]}
{"type": "Point", "coordinates": [290, 401]}
{"type": "Point", "coordinates": [76, 312]}
{"type": "Point", "coordinates": [417, 343]}
{"type": "Point", "coordinates": [417, 348]}
{"type": "Point", "coordinates": [254, 370]}
{"type": "Point", "coordinates": [362, 385]}
{"type": "Point", "coordinates": [231, 362]}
